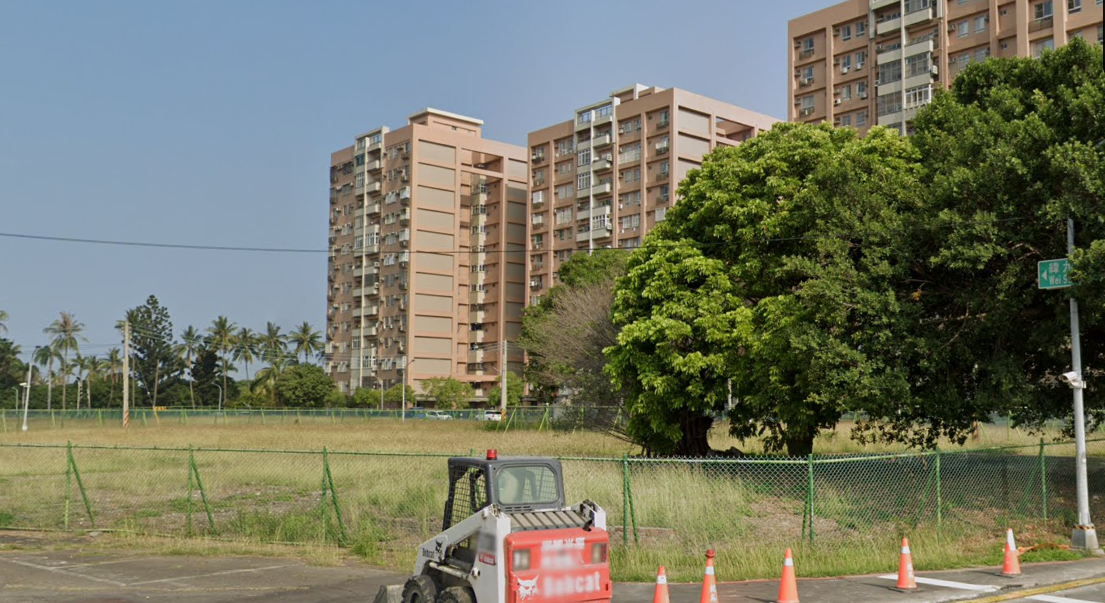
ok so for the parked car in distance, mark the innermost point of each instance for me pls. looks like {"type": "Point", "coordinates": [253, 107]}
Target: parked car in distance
{"type": "Point", "coordinates": [438, 415]}
{"type": "Point", "coordinates": [489, 415]}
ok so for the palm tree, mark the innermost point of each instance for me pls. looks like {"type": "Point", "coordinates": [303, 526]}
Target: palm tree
{"type": "Point", "coordinates": [45, 356]}
{"type": "Point", "coordinates": [307, 341]}
{"type": "Point", "coordinates": [243, 347]}
{"type": "Point", "coordinates": [67, 335]}
{"type": "Point", "coordinates": [86, 367]}
{"type": "Point", "coordinates": [186, 350]}
{"type": "Point", "coordinates": [274, 346]}
{"type": "Point", "coordinates": [265, 381]}
{"type": "Point", "coordinates": [112, 367]}
{"type": "Point", "coordinates": [221, 336]}
{"type": "Point", "coordinates": [3, 321]}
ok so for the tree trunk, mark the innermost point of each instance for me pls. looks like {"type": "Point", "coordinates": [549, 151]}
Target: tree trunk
{"type": "Point", "coordinates": [156, 381]}
{"type": "Point", "coordinates": [799, 443]}
{"type": "Point", "coordinates": [50, 385]}
{"type": "Point", "coordinates": [696, 435]}
{"type": "Point", "coordinates": [192, 391]}
{"type": "Point", "coordinates": [65, 378]}
{"type": "Point", "coordinates": [222, 395]}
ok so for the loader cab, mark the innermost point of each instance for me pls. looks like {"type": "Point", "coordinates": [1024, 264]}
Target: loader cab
{"type": "Point", "coordinates": [515, 485]}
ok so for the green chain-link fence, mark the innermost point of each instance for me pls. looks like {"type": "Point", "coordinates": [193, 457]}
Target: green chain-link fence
{"type": "Point", "coordinates": [841, 513]}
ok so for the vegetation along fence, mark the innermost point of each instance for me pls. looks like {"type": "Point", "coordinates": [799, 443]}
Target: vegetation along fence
{"type": "Point", "coordinates": [840, 514]}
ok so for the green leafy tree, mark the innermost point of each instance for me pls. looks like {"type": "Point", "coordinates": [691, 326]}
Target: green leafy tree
{"type": "Point", "coordinates": [13, 371]}
{"type": "Point", "coordinates": [220, 338]}
{"type": "Point", "coordinates": [366, 397]}
{"type": "Point", "coordinates": [771, 282]}
{"type": "Point", "coordinates": [393, 396]}
{"type": "Point", "coordinates": [206, 375]}
{"type": "Point", "coordinates": [515, 388]}
{"type": "Point", "coordinates": [264, 382]}
{"type": "Point", "coordinates": [155, 361]}
{"type": "Point", "coordinates": [304, 385]}
{"type": "Point", "coordinates": [66, 333]}
{"type": "Point", "coordinates": [1010, 152]}
{"type": "Point", "coordinates": [448, 393]}
{"type": "Point", "coordinates": [307, 341]}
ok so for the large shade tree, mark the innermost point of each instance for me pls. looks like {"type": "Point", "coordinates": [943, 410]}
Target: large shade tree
{"type": "Point", "coordinates": [772, 284]}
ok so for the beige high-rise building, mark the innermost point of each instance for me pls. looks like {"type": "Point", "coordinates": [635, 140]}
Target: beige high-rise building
{"type": "Point", "coordinates": [605, 177]}
{"type": "Point", "coordinates": [427, 254]}
{"type": "Point", "coordinates": [876, 62]}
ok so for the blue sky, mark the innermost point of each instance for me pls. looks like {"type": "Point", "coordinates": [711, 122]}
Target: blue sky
{"type": "Point", "coordinates": [212, 123]}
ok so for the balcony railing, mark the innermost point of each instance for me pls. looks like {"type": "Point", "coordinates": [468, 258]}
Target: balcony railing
{"type": "Point", "coordinates": [1044, 23]}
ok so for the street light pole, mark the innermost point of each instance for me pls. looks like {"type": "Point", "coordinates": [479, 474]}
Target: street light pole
{"type": "Point", "coordinates": [1083, 536]}
{"type": "Point", "coordinates": [406, 363]}
{"type": "Point", "coordinates": [220, 395]}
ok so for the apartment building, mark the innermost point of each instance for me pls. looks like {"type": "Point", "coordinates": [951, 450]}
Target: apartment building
{"type": "Point", "coordinates": [865, 62]}
{"type": "Point", "coordinates": [606, 176]}
{"type": "Point", "coordinates": [426, 272]}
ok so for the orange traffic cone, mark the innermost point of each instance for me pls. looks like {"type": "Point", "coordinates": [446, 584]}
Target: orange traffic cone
{"type": "Point", "coordinates": [1012, 565]}
{"type": "Point", "coordinates": [788, 587]}
{"type": "Point", "coordinates": [906, 581]}
{"type": "Point", "coordinates": [661, 595]}
{"type": "Point", "coordinates": [709, 584]}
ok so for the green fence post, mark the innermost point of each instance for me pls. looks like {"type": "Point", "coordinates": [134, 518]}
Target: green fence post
{"type": "Point", "coordinates": [68, 481]}
{"type": "Point", "coordinates": [262, 416]}
{"type": "Point", "coordinates": [811, 496]}
{"type": "Point", "coordinates": [322, 499]}
{"type": "Point", "coordinates": [53, 420]}
{"type": "Point", "coordinates": [80, 486]}
{"type": "Point", "coordinates": [4, 419]}
{"type": "Point", "coordinates": [1043, 478]}
{"type": "Point", "coordinates": [329, 477]}
{"type": "Point", "coordinates": [939, 498]}
{"type": "Point", "coordinates": [625, 500]}
{"type": "Point", "coordinates": [100, 417]}
{"type": "Point", "coordinates": [191, 489]}
{"type": "Point", "coordinates": [195, 470]}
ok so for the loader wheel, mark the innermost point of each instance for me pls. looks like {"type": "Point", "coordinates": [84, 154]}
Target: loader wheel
{"type": "Point", "coordinates": [420, 589]}
{"type": "Point", "coordinates": [457, 594]}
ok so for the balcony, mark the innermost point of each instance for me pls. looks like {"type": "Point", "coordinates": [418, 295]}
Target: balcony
{"type": "Point", "coordinates": [603, 120]}
{"type": "Point", "coordinates": [625, 158]}
{"type": "Point", "coordinates": [594, 233]}
{"type": "Point", "coordinates": [583, 192]}
{"type": "Point", "coordinates": [601, 164]}
{"type": "Point", "coordinates": [911, 19]}
{"type": "Point", "coordinates": [375, 165]}
{"type": "Point", "coordinates": [537, 158]}
{"type": "Point", "coordinates": [368, 331]}
{"type": "Point", "coordinates": [662, 147]}
{"type": "Point", "coordinates": [877, 4]}
{"type": "Point", "coordinates": [405, 195]}
{"type": "Point", "coordinates": [373, 310]}
{"type": "Point", "coordinates": [404, 258]}
{"type": "Point", "coordinates": [538, 220]}
{"type": "Point", "coordinates": [805, 54]}
{"type": "Point", "coordinates": [663, 175]}
{"type": "Point", "coordinates": [600, 210]}
{"type": "Point", "coordinates": [535, 283]}
{"type": "Point", "coordinates": [405, 216]}
{"type": "Point", "coordinates": [358, 214]}
{"type": "Point", "coordinates": [1041, 24]}
{"type": "Point", "coordinates": [914, 49]}
{"type": "Point", "coordinates": [365, 270]}
{"type": "Point", "coordinates": [602, 188]}
{"type": "Point", "coordinates": [582, 124]}
{"type": "Point", "coordinates": [602, 141]}
{"type": "Point", "coordinates": [376, 146]}
{"type": "Point", "coordinates": [374, 209]}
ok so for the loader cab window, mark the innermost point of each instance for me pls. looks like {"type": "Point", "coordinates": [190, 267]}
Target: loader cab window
{"type": "Point", "coordinates": [527, 486]}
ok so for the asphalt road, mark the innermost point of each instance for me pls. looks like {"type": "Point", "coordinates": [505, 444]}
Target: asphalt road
{"type": "Point", "coordinates": [33, 575]}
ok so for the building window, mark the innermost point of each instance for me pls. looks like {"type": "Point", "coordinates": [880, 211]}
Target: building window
{"type": "Point", "coordinates": [564, 191]}
{"type": "Point", "coordinates": [845, 63]}
{"type": "Point", "coordinates": [918, 64]}
{"type": "Point", "coordinates": [807, 75]}
{"type": "Point", "coordinates": [807, 45]}
{"type": "Point", "coordinates": [846, 33]}
{"type": "Point", "coordinates": [846, 120]}
{"type": "Point", "coordinates": [1075, 6]}
{"type": "Point", "coordinates": [889, 104]}
{"type": "Point", "coordinates": [861, 89]}
{"type": "Point", "coordinates": [538, 197]}
{"type": "Point", "coordinates": [980, 23]}
{"type": "Point", "coordinates": [1099, 29]}
{"type": "Point", "coordinates": [807, 105]}
{"type": "Point", "coordinates": [1040, 46]}
{"type": "Point", "coordinates": [916, 97]}
{"type": "Point", "coordinates": [584, 157]}
{"type": "Point", "coordinates": [861, 58]}
{"type": "Point", "coordinates": [964, 28]}
{"type": "Point", "coordinates": [861, 118]}
{"type": "Point", "coordinates": [890, 72]}
{"type": "Point", "coordinates": [981, 54]}
{"type": "Point", "coordinates": [861, 28]}
{"type": "Point", "coordinates": [1042, 10]}
{"type": "Point", "coordinates": [912, 6]}
{"type": "Point", "coordinates": [845, 92]}
{"type": "Point", "coordinates": [583, 181]}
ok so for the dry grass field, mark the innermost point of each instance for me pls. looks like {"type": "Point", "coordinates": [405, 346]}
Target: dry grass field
{"type": "Point", "coordinates": [263, 483]}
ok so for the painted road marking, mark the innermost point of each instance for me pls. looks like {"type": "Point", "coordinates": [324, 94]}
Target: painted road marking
{"type": "Point", "coordinates": [211, 575]}
{"type": "Point", "coordinates": [62, 571]}
{"type": "Point", "coordinates": [1054, 599]}
{"type": "Point", "coordinates": [947, 584]}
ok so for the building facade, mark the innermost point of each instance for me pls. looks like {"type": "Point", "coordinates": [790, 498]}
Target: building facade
{"type": "Point", "coordinates": [426, 273]}
{"type": "Point", "coordinates": [862, 63]}
{"type": "Point", "coordinates": [608, 175]}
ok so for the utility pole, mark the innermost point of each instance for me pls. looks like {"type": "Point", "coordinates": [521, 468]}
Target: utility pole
{"type": "Point", "coordinates": [502, 388]}
{"type": "Point", "coordinates": [1083, 536]}
{"type": "Point", "coordinates": [126, 374]}
{"type": "Point", "coordinates": [27, 393]}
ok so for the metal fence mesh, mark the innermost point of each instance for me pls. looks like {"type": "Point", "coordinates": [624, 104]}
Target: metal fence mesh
{"type": "Point", "coordinates": [382, 505]}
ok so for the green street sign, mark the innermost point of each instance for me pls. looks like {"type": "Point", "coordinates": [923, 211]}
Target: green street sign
{"type": "Point", "coordinates": [1053, 274]}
